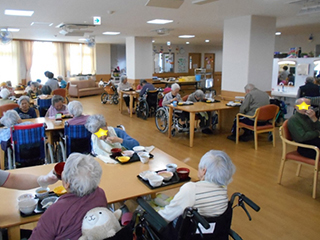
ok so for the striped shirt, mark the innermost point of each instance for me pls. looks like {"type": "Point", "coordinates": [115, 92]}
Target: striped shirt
{"type": "Point", "coordinates": [210, 199]}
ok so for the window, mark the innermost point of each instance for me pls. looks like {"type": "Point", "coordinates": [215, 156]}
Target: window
{"type": "Point", "coordinates": [44, 59]}
{"type": "Point", "coordinates": [9, 58]}
{"type": "Point", "coordinates": [81, 59]}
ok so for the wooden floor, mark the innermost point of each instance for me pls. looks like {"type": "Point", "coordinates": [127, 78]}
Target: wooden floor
{"type": "Point", "coordinates": [287, 211]}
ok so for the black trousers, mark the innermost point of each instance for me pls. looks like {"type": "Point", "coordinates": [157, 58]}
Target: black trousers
{"type": "Point", "coordinates": [244, 120]}
{"type": "Point", "coordinates": [127, 101]}
{"type": "Point", "coordinates": [309, 153]}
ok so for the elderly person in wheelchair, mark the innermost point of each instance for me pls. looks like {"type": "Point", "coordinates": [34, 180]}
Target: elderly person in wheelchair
{"type": "Point", "coordinates": [57, 106]}
{"type": "Point", "coordinates": [63, 220]}
{"type": "Point", "coordinates": [75, 108]}
{"type": "Point", "coordinates": [114, 138]}
{"type": "Point", "coordinates": [209, 195]}
{"type": "Point", "coordinates": [9, 119]}
{"type": "Point", "coordinates": [24, 110]}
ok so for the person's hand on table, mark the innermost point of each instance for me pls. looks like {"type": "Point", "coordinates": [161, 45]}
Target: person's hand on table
{"type": "Point", "coordinates": [46, 180]}
{"type": "Point", "coordinates": [114, 139]}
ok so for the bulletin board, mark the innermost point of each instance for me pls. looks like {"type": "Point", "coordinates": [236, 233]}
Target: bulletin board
{"type": "Point", "coordinates": [182, 65]}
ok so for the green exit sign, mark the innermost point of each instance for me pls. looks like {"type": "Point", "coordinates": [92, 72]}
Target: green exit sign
{"type": "Point", "coordinates": [97, 20]}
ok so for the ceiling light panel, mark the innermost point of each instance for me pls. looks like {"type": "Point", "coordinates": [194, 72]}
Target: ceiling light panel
{"type": "Point", "coordinates": [111, 33]}
{"type": "Point", "coordinates": [41, 24]}
{"type": "Point", "coordinates": [200, 2]}
{"type": "Point", "coordinates": [186, 36]}
{"type": "Point", "coordinates": [159, 21]}
{"type": "Point", "coordinates": [23, 13]}
{"type": "Point", "coordinates": [10, 29]}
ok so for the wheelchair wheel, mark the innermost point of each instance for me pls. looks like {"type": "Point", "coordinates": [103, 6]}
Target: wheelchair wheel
{"type": "Point", "coordinates": [144, 110]}
{"type": "Point", "coordinates": [104, 98]}
{"type": "Point", "coordinates": [161, 119]}
{"type": "Point", "coordinates": [115, 99]}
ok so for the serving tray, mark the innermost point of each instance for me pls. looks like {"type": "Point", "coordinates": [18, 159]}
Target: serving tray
{"type": "Point", "coordinates": [174, 180]}
{"type": "Point", "coordinates": [134, 158]}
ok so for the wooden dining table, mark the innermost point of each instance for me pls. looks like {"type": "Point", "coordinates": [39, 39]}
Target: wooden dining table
{"type": "Point", "coordinates": [119, 182]}
{"type": "Point", "coordinates": [131, 94]}
{"type": "Point", "coordinates": [226, 115]}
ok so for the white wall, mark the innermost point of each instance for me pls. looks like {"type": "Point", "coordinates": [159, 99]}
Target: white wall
{"type": "Point", "coordinates": [103, 52]}
{"type": "Point", "coordinates": [118, 56]}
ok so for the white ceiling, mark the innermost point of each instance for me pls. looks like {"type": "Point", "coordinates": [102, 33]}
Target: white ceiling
{"type": "Point", "coordinates": [130, 16]}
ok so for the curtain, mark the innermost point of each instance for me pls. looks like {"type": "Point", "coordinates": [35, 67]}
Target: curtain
{"type": "Point", "coordinates": [10, 62]}
{"type": "Point", "coordinates": [61, 59]}
{"type": "Point", "coordinates": [27, 48]}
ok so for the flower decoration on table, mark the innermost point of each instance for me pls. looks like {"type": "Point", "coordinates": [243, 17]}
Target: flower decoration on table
{"type": "Point", "coordinates": [303, 105]}
{"type": "Point", "coordinates": [101, 133]}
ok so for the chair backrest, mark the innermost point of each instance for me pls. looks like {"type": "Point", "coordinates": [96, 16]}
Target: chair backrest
{"type": "Point", "coordinates": [152, 98]}
{"type": "Point", "coordinates": [267, 112]}
{"type": "Point", "coordinates": [77, 139]}
{"type": "Point", "coordinates": [44, 105]}
{"type": "Point", "coordinates": [60, 91]}
{"type": "Point", "coordinates": [7, 107]}
{"type": "Point", "coordinates": [284, 131]}
{"type": "Point", "coordinates": [185, 98]}
{"type": "Point", "coordinates": [28, 143]}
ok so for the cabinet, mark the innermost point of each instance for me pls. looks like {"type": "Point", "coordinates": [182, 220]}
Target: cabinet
{"type": "Point", "coordinates": [205, 78]}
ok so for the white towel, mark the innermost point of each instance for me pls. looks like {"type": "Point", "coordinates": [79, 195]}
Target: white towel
{"type": "Point", "coordinates": [149, 149]}
{"type": "Point", "coordinates": [107, 159]}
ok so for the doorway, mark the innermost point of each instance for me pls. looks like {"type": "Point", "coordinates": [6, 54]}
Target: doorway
{"type": "Point", "coordinates": [194, 62]}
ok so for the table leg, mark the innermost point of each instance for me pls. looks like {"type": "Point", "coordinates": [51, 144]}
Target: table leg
{"type": "Point", "coordinates": [1, 159]}
{"type": "Point", "coordinates": [219, 119]}
{"type": "Point", "coordinates": [14, 233]}
{"type": "Point", "coordinates": [49, 136]}
{"type": "Point", "coordinates": [191, 129]}
{"type": "Point", "coordinates": [131, 103]}
{"type": "Point", "coordinates": [170, 121]}
{"type": "Point", "coordinates": [121, 100]}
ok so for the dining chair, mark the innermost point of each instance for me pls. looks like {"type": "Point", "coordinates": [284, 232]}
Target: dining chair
{"type": "Point", "coordinates": [63, 92]}
{"type": "Point", "coordinates": [6, 107]}
{"type": "Point", "coordinates": [267, 113]}
{"type": "Point", "coordinates": [296, 157]}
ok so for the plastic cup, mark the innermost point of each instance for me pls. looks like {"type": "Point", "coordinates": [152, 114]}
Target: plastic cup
{"type": "Point", "coordinates": [174, 103]}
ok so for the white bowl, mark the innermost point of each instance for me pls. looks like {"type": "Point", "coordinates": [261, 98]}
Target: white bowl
{"type": "Point", "coordinates": [171, 167]}
{"type": "Point", "coordinates": [57, 122]}
{"type": "Point", "coordinates": [146, 174]}
{"type": "Point", "coordinates": [27, 206]}
{"type": "Point", "coordinates": [138, 148]}
{"type": "Point", "coordinates": [42, 192]}
{"type": "Point", "coordinates": [128, 153]}
{"type": "Point", "coordinates": [166, 175]}
{"type": "Point", "coordinates": [155, 180]}
{"type": "Point", "coordinates": [25, 196]}
{"type": "Point", "coordinates": [144, 157]}
{"type": "Point", "coordinates": [47, 202]}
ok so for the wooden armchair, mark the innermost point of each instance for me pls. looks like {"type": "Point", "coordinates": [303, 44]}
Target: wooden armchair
{"type": "Point", "coordinates": [296, 157]}
{"type": "Point", "coordinates": [264, 113]}
{"type": "Point", "coordinates": [6, 107]}
{"type": "Point", "coordinates": [62, 92]}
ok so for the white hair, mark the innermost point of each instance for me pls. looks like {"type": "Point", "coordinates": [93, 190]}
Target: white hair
{"type": "Point", "coordinates": [249, 87]}
{"type": "Point", "coordinates": [95, 122]}
{"type": "Point", "coordinates": [75, 108]}
{"type": "Point", "coordinates": [219, 167]}
{"type": "Point", "coordinates": [82, 173]}
{"type": "Point", "coordinates": [23, 98]}
{"type": "Point", "coordinates": [175, 86]}
{"type": "Point", "coordinates": [309, 79]}
{"type": "Point", "coordinates": [55, 99]}
{"type": "Point", "coordinates": [5, 93]}
{"type": "Point", "coordinates": [10, 118]}
{"type": "Point", "coordinates": [123, 78]}
{"type": "Point", "coordinates": [199, 93]}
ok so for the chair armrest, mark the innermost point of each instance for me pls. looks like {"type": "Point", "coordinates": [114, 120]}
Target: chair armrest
{"type": "Point", "coordinates": [247, 116]}
{"type": "Point", "coordinates": [73, 90]}
{"type": "Point", "coordinates": [293, 143]}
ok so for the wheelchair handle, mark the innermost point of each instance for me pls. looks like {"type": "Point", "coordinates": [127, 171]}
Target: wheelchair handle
{"type": "Point", "coordinates": [250, 203]}
{"type": "Point", "coordinates": [200, 219]}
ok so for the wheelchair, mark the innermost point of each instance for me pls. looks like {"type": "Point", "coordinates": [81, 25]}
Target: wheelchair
{"type": "Point", "coordinates": [43, 106]}
{"type": "Point", "coordinates": [148, 104]}
{"type": "Point", "coordinates": [28, 146]}
{"type": "Point", "coordinates": [162, 121]}
{"type": "Point", "coordinates": [76, 138]}
{"type": "Point", "coordinates": [111, 94]}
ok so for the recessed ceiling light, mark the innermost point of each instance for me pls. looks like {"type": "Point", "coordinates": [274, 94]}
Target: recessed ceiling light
{"type": "Point", "coordinates": [41, 24]}
{"type": "Point", "coordinates": [23, 13]}
{"type": "Point", "coordinates": [153, 40]}
{"type": "Point", "coordinates": [278, 33]}
{"type": "Point", "coordinates": [111, 33]}
{"type": "Point", "coordinates": [159, 21]}
{"type": "Point", "coordinates": [207, 40]}
{"type": "Point", "coordinates": [168, 43]}
{"type": "Point", "coordinates": [186, 36]}
{"type": "Point", "coordinates": [187, 42]}
{"type": "Point", "coordinates": [10, 29]}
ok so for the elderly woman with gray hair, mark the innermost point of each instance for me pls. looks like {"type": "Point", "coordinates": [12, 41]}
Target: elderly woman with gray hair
{"type": "Point", "coordinates": [115, 138]}
{"type": "Point", "coordinates": [124, 85]}
{"type": "Point", "coordinates": [209, 195]}
{"type": "Point", "coordinates": [57, 106]}
{"type": "Point", "coordinates": [24, 110]}
{"type": "Point", "coordinates": [63, 220]}
{"type": "Point", "coordinates": [5, 94]}
{"type": "Point", "coordinates": [10, 118]}
{"type": "Point", "coordinates": [75, 109]}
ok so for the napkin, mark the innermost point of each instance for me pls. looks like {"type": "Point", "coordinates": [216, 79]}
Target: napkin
{"type": "Point", "coordinates": [149, 149]}
{"type": "Point", "coordinates": [106, 159]}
